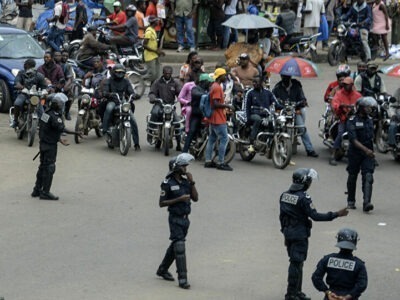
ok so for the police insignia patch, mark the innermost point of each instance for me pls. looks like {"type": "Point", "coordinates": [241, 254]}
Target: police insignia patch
{"type": "Point", "coordinates": [162, 193]}
{"type": "Point", "coordinates": [312, 205]}
{"type": "Point", "coordinates": [59, 120]}
{"type": "Point", "coordinates": [45, 117]}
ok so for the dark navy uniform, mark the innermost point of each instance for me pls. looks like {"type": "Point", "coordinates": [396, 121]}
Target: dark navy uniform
{"type": "Point", "coordinates": [51, 126]}
{"type": "Point", "coordinates": [361, 129]}
{"type": "Point", "coordinates": [345, 275]}
{"type": "Point", "coordinates": [296, 209]}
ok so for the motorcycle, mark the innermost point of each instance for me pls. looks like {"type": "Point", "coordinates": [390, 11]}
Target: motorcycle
{"type": "Point", "coordinates": [88, 117]}
{"type": "Point", "coordinates": [271, 139]}
{"type": "Point", "coordinates": [289, 111]}
{"type": "Point", "coordinates": [120, 131]}
{"type": "Point", "coordinates": [161, 133]}
{"type": "Point", "coordinates": [28, 119]}
{"type": "Point", "coordinates": [198, 145]}
{"type": "Point", "coordinates": [328, 130]}
{"type": "Point", "coordinates": [301, 45]}
{"type": "Point", "coordinates": [348, 43]}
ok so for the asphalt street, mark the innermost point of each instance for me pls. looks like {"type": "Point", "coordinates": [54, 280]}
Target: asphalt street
{"type": "Point", "coordinates": [105, 237]}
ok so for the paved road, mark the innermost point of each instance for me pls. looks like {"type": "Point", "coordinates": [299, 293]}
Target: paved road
{"type": "Point", "coordinates": [106, 236]}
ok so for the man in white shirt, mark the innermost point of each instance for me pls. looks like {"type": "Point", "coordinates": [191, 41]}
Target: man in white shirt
{"type": "Point", "coordinates": [230, 10]}
{"type": "Point", "coordinates": [55, 38]}
{"type": "Point", "coordinates": [312, 16]}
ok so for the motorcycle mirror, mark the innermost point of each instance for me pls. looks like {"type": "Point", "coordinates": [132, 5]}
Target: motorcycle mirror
{"type": "Point", "coordinates": [392, 99]}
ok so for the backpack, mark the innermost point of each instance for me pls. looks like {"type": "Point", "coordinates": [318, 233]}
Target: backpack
{"type": "Point", "coordinates": [64, 17]}
{"type": "Point", "coordinates": [205, 106]}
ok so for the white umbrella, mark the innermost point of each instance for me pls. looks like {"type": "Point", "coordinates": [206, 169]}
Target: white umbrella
{"type": "Point", "coordinates": [247, 21]}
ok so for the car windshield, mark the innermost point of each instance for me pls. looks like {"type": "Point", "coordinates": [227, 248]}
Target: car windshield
{"type": "Point", "coordinates": [19, 46]}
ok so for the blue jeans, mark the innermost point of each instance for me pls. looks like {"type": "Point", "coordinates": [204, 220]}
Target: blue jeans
{"type": "Point", "coordinates": [217, 132]}
{"type": "Point", "coordinates": [305, 138]}
{"type": "Point", "coordinates": [392, 131]}
{"type": "Point", "coordinates": [55, 38]}
{"type": "Point", "coordinates": [188, 24]}
{"type": "Point", "coordinates": [338, 140]}
{"type": "Point", "coordinates": [227, 34]}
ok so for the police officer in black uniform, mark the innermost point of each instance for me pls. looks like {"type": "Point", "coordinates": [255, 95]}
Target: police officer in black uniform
{"type": "Point", "coordinates": [296, 209]}
{"type": "Point", "coordinates": [177, 191]}
{"type": "Point", "coordinates": [346, 275]}
{"type": "Point", "coordinates": [51, 126]}
{"type": "Point", "coordinates": [361, 154]}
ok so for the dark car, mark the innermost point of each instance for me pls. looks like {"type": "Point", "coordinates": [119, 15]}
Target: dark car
{"type": "Point", "coordinates": [16, 46]}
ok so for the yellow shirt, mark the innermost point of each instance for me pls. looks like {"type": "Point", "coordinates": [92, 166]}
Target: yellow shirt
{"type": "Point", "coordinates": [151, 35]}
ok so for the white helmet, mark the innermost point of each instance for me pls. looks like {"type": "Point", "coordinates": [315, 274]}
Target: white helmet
{"type": "Point", "coordinates": [117, 4]}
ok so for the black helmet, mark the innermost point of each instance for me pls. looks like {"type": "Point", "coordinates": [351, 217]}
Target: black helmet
{"type": "Point", "coordinates": [179, 161]}
{"type": "Point", "coordinates": [57, 101]}
{"type": "Point", "coordinates": [347, 239]}
{"type": "Point", "coordinates": [365, 102]}
{"type": "Point", "coordinates": [302, 179]}
{"type": "Point", "coordinates": [118, 71]}
{"type": "Point", "coordinates": [131, 8]}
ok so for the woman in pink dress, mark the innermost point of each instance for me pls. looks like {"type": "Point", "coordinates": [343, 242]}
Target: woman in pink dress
{"type": "Point", "coordinates": [381, 23]}
{"type": "Point", "coordinates": [185, 97]}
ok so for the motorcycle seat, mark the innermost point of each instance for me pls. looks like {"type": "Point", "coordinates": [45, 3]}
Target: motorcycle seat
{"type": "Point", "coordinates": [297, 39]}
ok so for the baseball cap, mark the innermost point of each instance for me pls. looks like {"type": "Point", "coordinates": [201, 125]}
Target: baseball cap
{"type": "Point", "coordinates": [153, 19]}
{"type": "Point", "coordinates": [348, 80]}
{"type": "Point", "coordinates": [219, 72]}
{"type": "Point", "coordinates": [205, 77]}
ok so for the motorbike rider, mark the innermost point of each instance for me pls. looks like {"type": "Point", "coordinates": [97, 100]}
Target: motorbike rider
{"type": "Point", "coordinates": [361, 14]}
{"type": "Point", "coordinates": [346, 275]}
{"type": "Point", "coordinates": [296, 210]}
{"type": "Point", "coordinates": [117, 83]}
{"type": "Point", "coordinates": [361, 155]}
{"type": "Point", "coordinates": [118, 17]}
{"type": "Point", "coordinates": [200, 89]}
{"type": "Point", "coordinates": [61, 58]}
{"type": "Point", "coordinates": [130, 29]}
{"type": "Point", "coordinates": [361, 68]}
{"type": "Point", "coordinates": [370, 83]}
{"type": "Point", "coordinates": [52, 72]}
{"type": "Point", "coordinates": [394, 125]}
{"type": "Point", "coordinates": [255, 100]}
{"type": "Point", "coordinates": [93, 79]}
{"type": "Point", "coordinates": [168, 89]}
{"type": "Point", "coordinates": [286, 20]}
{"type": "Point", "coordinates": [289, 89]}
{"type": "Point", "coordinates": [245, 72]}
{"type": "Point", "coordinates": [342, 72]}
{"type": "Point", "coordinates": [342, 105]}
{"type": "Point", "coordinates": [25, 79]}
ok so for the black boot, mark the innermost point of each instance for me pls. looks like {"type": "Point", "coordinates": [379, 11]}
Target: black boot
{"type": "Point", "coordinates": [180, 260]}
{"type": "Point", "coordinates": [295, 275]}
{"type": "Point", "coordinates": [36, 192]}
{"type": "Point", "coordinates": [367, 182]}
{"type": "Point", "coordinates": [47, 196]}
{"type": "Point", "coordinates": [16, 116]}
{"type": "Point", "coordinates": [166, 263]}
{"type": "Point", "coordinates": [47, 180]}
{"type": "Point", "coordinates": [351, 190]}
{"type": "Point", "coordinates": [68, 105]}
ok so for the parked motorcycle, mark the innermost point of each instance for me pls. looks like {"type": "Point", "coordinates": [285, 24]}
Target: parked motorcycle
{"type": "Point", "coordinates": [28, 119]}
{"type": "Point", "coordinates": [198, 145]}
{"type": "Point", "coordinates": [163, 132]}
{"type": "Point", "coordinates": [348, 43]}
{"type": "Point", "coordinates": [88, 117]}
{"type": "Point", "coordinates": [271, 141]}
{"type": "Point", "coordinates": [301, 45]}
{"type": "Point", "coordinates": [120, 131]}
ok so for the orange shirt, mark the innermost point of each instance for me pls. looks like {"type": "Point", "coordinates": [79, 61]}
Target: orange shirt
{"type": "Point", "coordinates": [152, 11]}
{"type": "Point", "coordinates": [140, 19]}
{"type": "Point", "coordinates": [118, 19]}
{"type": "Point", "coordinates": [216, 93]}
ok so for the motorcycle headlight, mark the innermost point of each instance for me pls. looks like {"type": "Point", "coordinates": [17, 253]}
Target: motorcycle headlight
{"type": "Point", "coordinates": [126, 107]}
{"type": "Point", "coordinates": [15, 72]}
{"type": "Point", "coordinates": [85, 99]}
{"type": "Point", "coordinates": [341, 29]}
{"type": "Point", "coordinates": [167, 109]}
{"type": "Point", "coordinates": [34, 100]}
{"type": "Point", "coordinates": [281, 119]}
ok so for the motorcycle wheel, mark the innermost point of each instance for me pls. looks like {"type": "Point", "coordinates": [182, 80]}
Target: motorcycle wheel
{"type": "Point", "coordinates": [98, 131]}
{"type": "Point", "coordinates": [281, 153]}
{"type": "Point", "coordinates": [78, 128]}
{"type": "Point", "coordinates": [396, 155]}
{"type": "Point", "coordinates": [314, 55]}
{"type": "Point", "coordinates": [335, 54]}
{"type": "Point", "coordinates": [125, 140]}
{"type": "Point", "coordinates": [380, 143]}
{"type": "Point", "coordinates": [245, 154]}
{"type": "Point", "coordinates": [31, 129]}
{"type": "Point", "coordinates": [229, 152]}
{"type": "Point", "coordinates": [73, 52]}
{"type": "Point", "coordinates": [166, 141]}
{"type": "Point", "coordinates": [141, 68]}
{"type": "Point", "coordinates": [137, 84]}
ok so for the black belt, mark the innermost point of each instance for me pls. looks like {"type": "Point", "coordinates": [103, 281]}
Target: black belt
{"type": "Point", "coordinates": [180, 216]}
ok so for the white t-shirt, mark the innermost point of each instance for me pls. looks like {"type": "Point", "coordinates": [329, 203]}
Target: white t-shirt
{"type": "Point", "coordinates": [313, 18]}
{"type": "Point", "coordinates": [57, 12]}
{"type": "Point", "coordinates": [231, 8]}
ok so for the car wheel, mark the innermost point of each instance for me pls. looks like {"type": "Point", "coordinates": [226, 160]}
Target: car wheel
{"type": "Point", "coordinates": [5, 97]}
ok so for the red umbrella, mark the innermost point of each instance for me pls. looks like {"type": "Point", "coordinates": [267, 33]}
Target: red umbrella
{"type": "Point", "coordinates": [292, 66]}
{"type": "Point", "coordinates": [393, 70]}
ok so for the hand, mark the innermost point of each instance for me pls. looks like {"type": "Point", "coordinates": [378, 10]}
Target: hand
{"type": "Point", "coordinates": [64, 142]}
{"type": "Point", "coordinates": [185, 198]}
{"type": "Point", "coordinates": [370, 153]}
{"type": "Point", "coordinates": [343, 212]}
{"type": "Point", "coordinates": [160, 52]}
{"type": "Point", "coordinates": [189, 176]}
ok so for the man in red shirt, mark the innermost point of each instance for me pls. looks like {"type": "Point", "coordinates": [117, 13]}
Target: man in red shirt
{"type": "Point", "coordinates": [152, 11]}
{"type": "Point", "coordinates": [342, 104]}
{"type": "Point", "coordinates": [118, 17]}
{"type": "Point", "coordinates": [342, 72]}
{"type": "Point", "coordinates": [218, 127]}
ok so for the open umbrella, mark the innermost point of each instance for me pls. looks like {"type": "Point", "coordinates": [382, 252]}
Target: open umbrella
{"type": "Point", "coordinates": [292, 66]}
{"type": "Point", "coordinates": [247, 21]}
{"type": "Point", "coordinates": [393, 70]}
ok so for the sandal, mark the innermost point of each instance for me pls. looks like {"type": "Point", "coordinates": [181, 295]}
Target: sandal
{"type": "Point", "coordinates": [387, 57]}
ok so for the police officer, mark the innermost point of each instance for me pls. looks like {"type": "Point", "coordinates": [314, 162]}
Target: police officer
{"type": "Point", "coordinates": [177, 191]}
{"type": "Point", "coordinates": [346, 275]}
{"type": "Point", "coordinates": [51, 126]}
{"type": "Point", "coordinates": [296, 208]}
{"type": "Point", "coordinates": [361, 154]}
